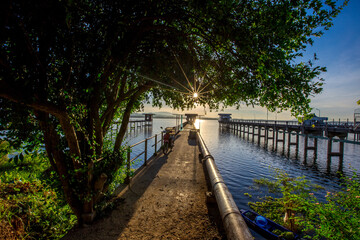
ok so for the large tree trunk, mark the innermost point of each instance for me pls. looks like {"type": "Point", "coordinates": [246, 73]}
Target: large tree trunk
{"type": "Point", "coordinates": [75, 173]}
{"type": "Point", "coordinates": [59, 162]}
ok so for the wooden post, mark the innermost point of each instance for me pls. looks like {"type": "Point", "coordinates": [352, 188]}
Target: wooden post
{"type": "Point", "coordinates": [305, 146]}
{"type": "Point", "coordinates": [341, 150]}
{"type": "Point", "coordinates": [341, 156]}
{"type": "Point", "coordinates": [266, 136]}
{"type": "Point", "coordinates": [283, 139]}
{"type": "Point", "coordinates": [248, 132]}
{"type": "Point", "coordinates": [259, 134]}
{"type": "Point", "coordinates": [297, 144]}
{"type": "Point", "coordinates": [289, 142]}
{"type": "Point", "coordinates": [329, 150]}
{"type": "Point", "coordinates": [253, 133]}
{"type": "Point", "coordinates": [315, 147]}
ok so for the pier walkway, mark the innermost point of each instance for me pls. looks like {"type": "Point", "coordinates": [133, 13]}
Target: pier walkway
{"type": "Point", "coordinates": [166, 200]}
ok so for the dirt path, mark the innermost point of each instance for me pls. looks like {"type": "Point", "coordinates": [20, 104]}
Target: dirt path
{"type": "Point", "coordinates": [166, 201]}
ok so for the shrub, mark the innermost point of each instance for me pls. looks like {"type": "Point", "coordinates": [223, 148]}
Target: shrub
{"type": "Point", "coordinates": [30, 207]}
{"type": "Point", "coordinates": [31, 210]}
{"type": "Point", "coordinates": [336, 218]}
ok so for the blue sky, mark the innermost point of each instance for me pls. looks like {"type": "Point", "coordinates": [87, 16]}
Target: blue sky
{"type": "Point", "coordinates": [339, 51]}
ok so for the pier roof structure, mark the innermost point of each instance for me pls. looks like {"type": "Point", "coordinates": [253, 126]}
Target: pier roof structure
{"type": "Point", "coordinates": [191, 117]}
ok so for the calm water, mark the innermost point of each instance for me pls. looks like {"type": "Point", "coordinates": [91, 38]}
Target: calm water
{"type": "Point", "coordinates": [240, 161]}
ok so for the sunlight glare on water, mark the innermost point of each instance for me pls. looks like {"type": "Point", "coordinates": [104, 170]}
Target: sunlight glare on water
{"type": "Point", "coordinates": [198, 123]}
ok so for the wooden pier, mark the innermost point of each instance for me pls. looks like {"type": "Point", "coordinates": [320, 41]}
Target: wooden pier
{"type": "Point", "coordinates": [166, 199]}
{"type": "Point", "coordinates": [135, 123]}
{"type": "Point", "coordinates": [276, 132]}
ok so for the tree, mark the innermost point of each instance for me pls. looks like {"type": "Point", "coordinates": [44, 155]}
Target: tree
{"type": "Point", "coordinates": [76, 66]}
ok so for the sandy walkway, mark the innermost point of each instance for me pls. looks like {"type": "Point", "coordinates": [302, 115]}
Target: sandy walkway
{"type": "Point", "coordinates": [167, 201]}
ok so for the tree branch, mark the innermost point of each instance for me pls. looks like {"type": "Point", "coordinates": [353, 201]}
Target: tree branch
{"type": "Point", "coordinates": [11, 94]}
{"type": "Point", "coordinates": [126, 116]}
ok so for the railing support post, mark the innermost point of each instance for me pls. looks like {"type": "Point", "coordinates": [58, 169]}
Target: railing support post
{"type": "Point", "coordinates": [155, 144]}
{"type": "Point", "coordinates": [146, 144]}
{"type": "Point", "coordinates": [127, 179]}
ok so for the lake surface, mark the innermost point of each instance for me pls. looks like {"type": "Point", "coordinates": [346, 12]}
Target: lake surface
{"type": "Point", "coordinates": [240, 161]}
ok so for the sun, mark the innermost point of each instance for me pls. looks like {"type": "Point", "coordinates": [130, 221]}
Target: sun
{"type": "Point", "coordinates": [194, 90]}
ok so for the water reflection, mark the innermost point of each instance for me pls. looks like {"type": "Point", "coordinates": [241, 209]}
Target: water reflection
{"type": "Point", "coordinates": [197, 123]}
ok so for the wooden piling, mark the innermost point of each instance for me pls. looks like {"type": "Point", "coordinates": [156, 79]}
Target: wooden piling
{"type": "Point", "coordinates": [307, 147]}
{"type": "Point", "coordinates": [296, 143]}
{"type": "Point", "coordinates": [253, 133]}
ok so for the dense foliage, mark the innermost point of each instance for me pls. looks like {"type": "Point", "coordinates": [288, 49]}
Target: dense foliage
{"type": "Point", "coordinates": [31, 201]}
{"type": "Point", "coordinates": [70, 69]}
{"type": "Point", "coordinates": [299, 209]}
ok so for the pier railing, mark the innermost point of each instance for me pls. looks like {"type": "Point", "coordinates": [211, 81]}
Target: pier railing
{"type": "Point", "coordinates": [327, 123]}
{"type": "Point", "coordinates": [234, 224]}
{"type": "Point", "coordinates": [148, 144]}
{"type": "Point", "coordinates": [270, 122]}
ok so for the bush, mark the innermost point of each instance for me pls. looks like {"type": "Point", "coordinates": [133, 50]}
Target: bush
{"type": "Point", "coordinates": [31, 208]}
{"type": "Point", "coordinates": [336, 218]}
{"type": "Point", "coordinates": [33, 211]}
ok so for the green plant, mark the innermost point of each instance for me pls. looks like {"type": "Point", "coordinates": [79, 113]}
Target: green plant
{"type": "Point", "coordinates": [336, 218]}
{"type": "Point", "coordinates": [4, 151]}
{"type": "Point", "coordinates": [34, 211]}
{"type": "Point", "coordinates": [32, 204]}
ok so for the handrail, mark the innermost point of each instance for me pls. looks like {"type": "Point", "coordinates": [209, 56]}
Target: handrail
{"type": "Point", "coordinates": [234, 224]}
{"type": "Point", "coordinates": [129, 160]}
{"type": "Point", "coordinates": [138, 143]}
{"type": "Point", "coordinates": [134, 158]}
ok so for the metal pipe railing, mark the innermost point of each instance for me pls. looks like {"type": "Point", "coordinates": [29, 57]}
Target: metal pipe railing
{"type": "Point", "coordinates": [234, 224]}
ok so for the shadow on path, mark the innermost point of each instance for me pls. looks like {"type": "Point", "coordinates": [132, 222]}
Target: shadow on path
{"type": "Point", "coordinates": [166, 200]}
{"type": "Point", "coordinates": [110, 227]}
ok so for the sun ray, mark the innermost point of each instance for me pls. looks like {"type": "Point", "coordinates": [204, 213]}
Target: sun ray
{"type": "Point", "coordinates": [200, 82]}
{"type": "Point", "coordinates": [204, 87]}
{"type": "Point", "coordinates": [201, 98]}
{"type": "Point", "coordinates": [194, 83]}
{"type": "Point", "coordinates": [205, 92]}
{"type": "Point", "coordinates": [183, 72]}
{"type": "Point", "coordinates": [148, 78]}
{"type": "Point", "coordinates": [180, 84]}
{"type": "Point", "coordinates": [173, 90]}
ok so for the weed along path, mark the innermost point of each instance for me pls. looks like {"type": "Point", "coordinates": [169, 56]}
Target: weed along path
{"type": "Point", "coordinates": [166, 200]}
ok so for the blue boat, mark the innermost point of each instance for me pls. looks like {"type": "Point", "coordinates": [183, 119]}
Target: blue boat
{"type": "Point", "coordinates": [267, 228]}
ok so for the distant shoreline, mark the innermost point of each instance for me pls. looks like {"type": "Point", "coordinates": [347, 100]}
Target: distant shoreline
{"type": "Point", "coordinates": [170, 117]}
